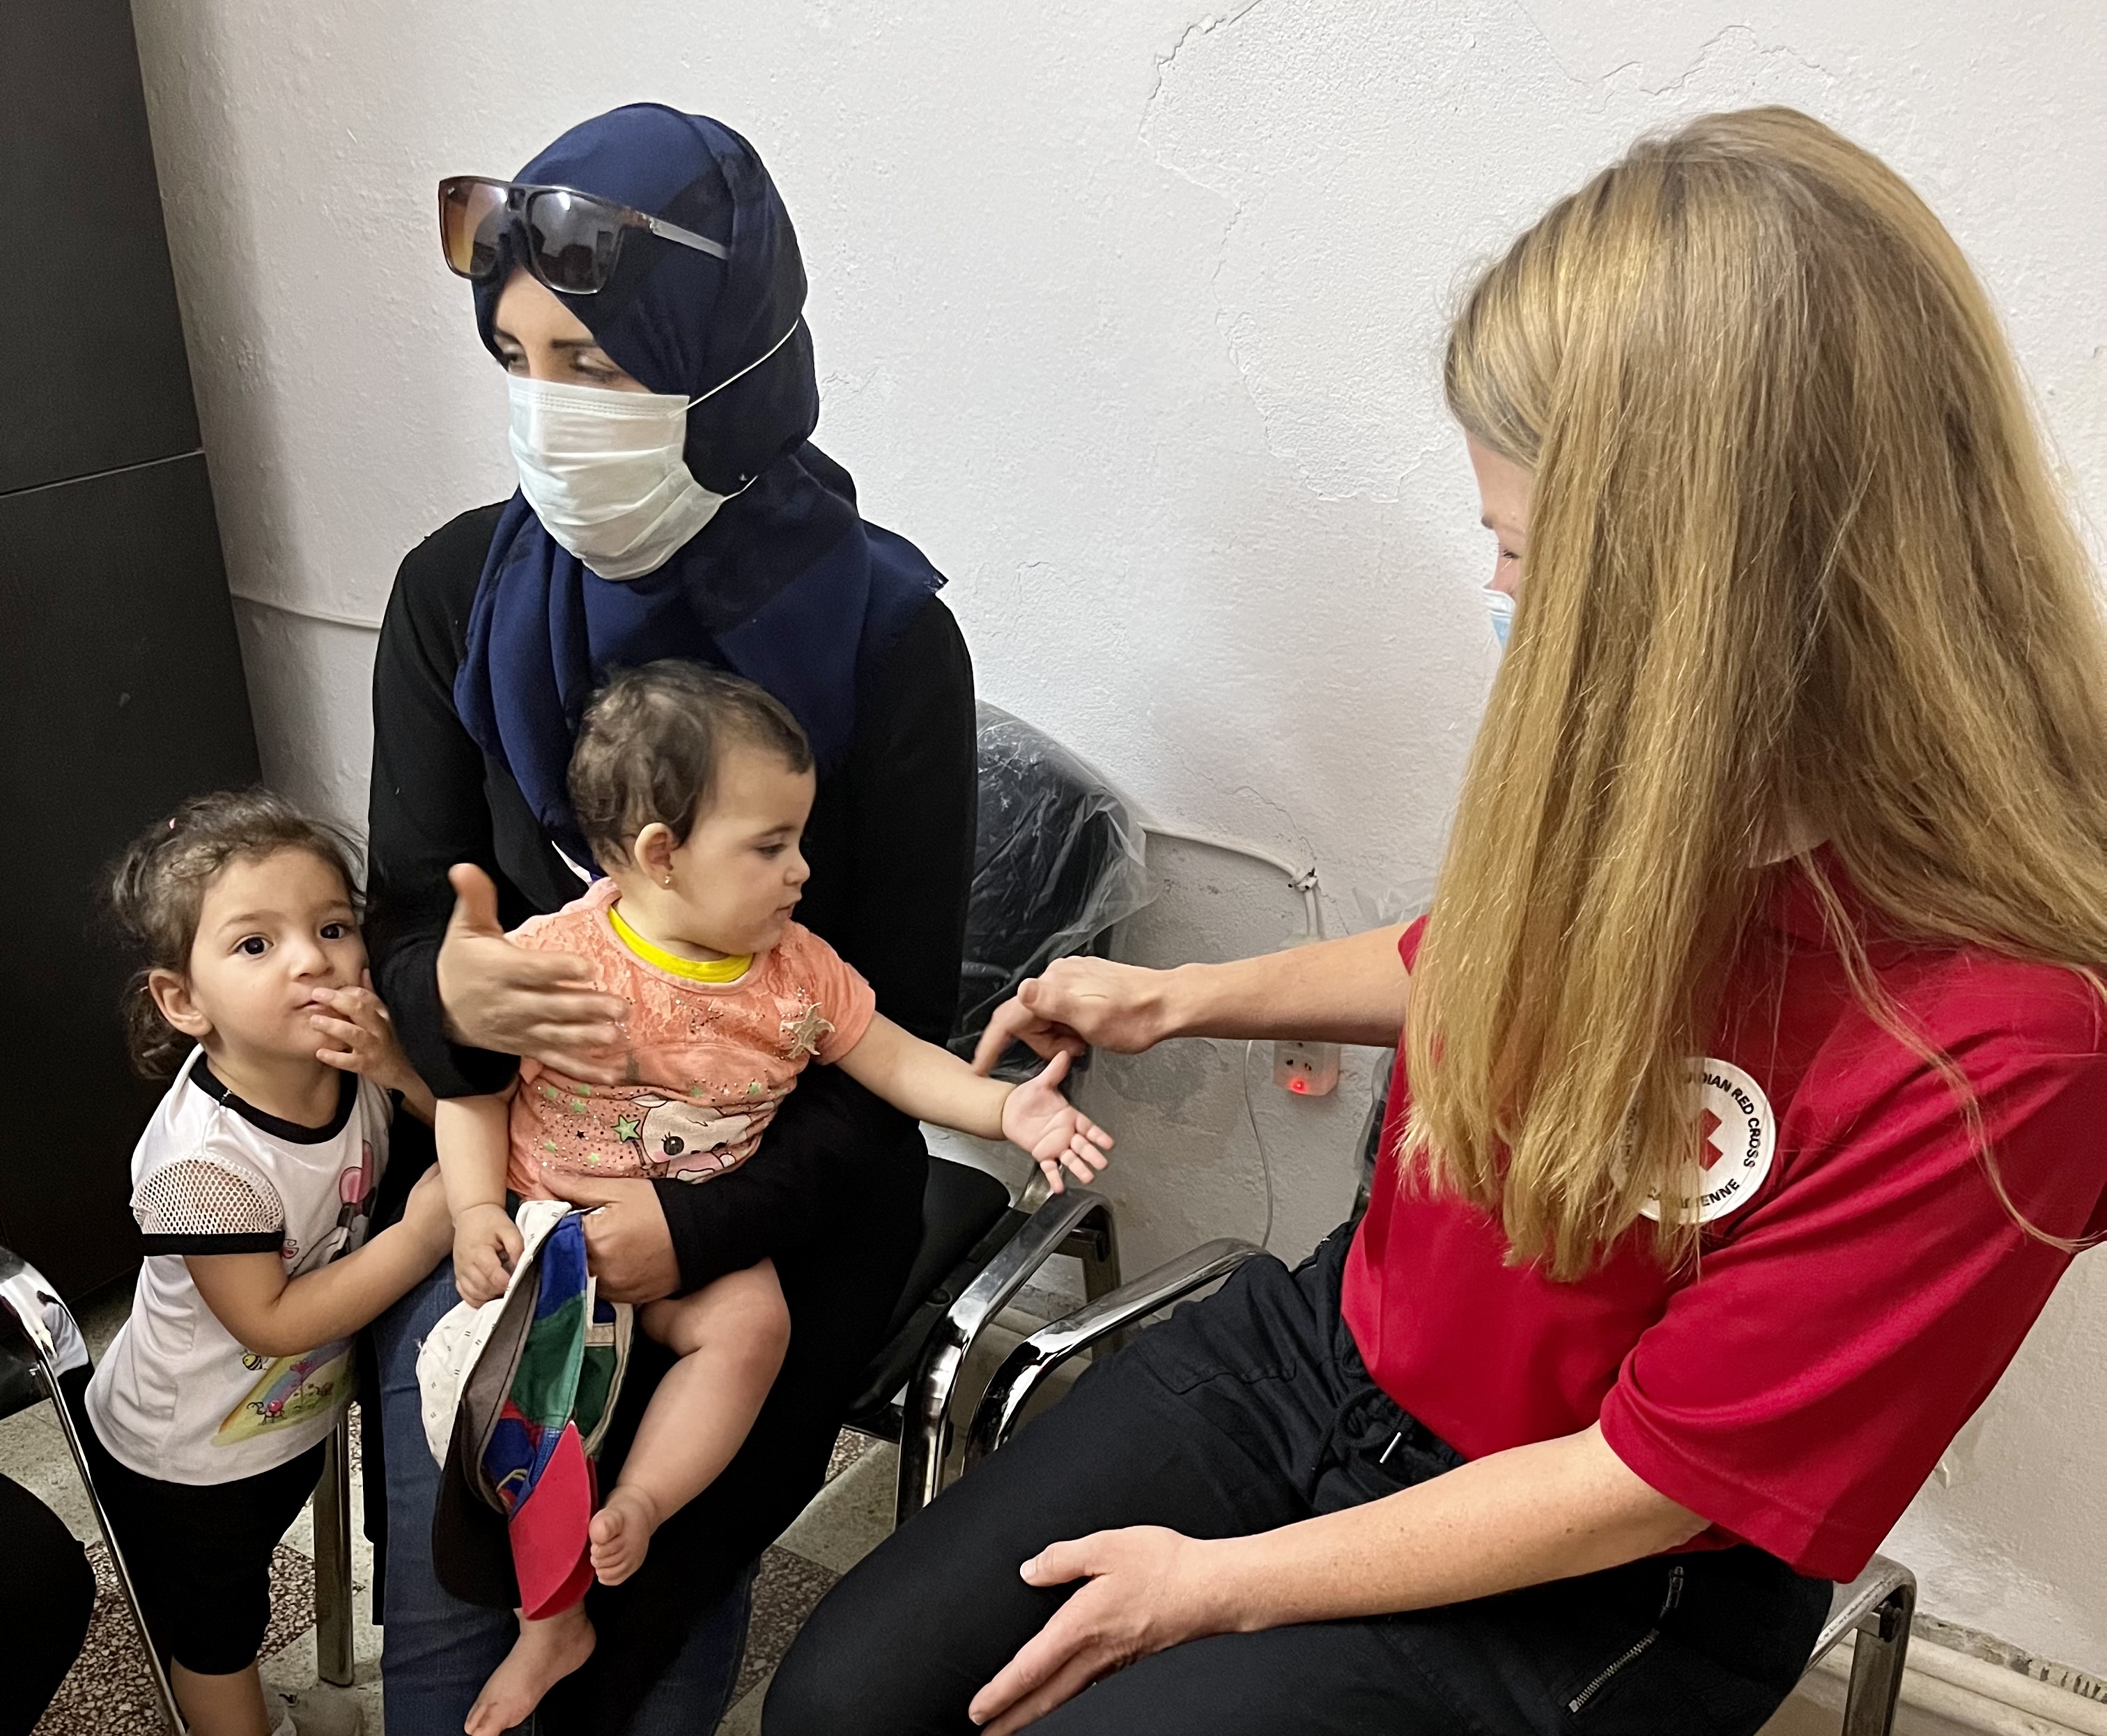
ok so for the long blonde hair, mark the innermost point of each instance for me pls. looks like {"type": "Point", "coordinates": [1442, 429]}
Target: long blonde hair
{"type": "Point", "coordinates": [1795, 560]}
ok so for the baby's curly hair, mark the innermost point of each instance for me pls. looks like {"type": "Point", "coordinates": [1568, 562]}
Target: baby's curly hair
{"type": "Point", "coordinates": [652, 742]}
{"type": "Point", "coordinates": [157, 890]}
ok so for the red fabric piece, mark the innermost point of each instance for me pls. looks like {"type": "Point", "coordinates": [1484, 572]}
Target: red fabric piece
{"type": "Point", "coordinates": [1797, 1383]}
{"type": "Point", "coordinates": [549, 1532]}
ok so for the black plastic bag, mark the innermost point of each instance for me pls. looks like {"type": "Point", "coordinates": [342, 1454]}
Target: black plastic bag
{"type": "Point", "coordinates": [1058, 858]}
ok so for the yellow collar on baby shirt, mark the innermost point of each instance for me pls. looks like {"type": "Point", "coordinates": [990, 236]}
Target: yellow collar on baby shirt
{"type": "Point", "coordinates": [695, 969]}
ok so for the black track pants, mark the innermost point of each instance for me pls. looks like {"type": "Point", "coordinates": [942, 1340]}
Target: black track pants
{"type": "Point", "coordinates": [1244, 1412]}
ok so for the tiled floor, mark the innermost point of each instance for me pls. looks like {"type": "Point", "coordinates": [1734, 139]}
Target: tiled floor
{"type": "Point", "coordinates": [844, 1522]}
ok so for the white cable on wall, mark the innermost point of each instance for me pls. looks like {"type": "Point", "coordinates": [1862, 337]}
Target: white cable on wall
{"type": "Point", "coordinates": [1951, 1690]}
{"type": "Point", "coordinates": [305, 612]}
{"type": "Point", "coordinates": [1302, 880]}
{"type": "Point", "coordinates": [1258, 1139]}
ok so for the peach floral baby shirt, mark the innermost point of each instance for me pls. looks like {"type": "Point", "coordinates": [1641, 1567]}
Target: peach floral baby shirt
{"type": "Point", "coordinates": [708, 1061]}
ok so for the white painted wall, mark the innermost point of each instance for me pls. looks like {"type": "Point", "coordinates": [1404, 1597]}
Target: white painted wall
{"type": "Point", "coordinates": [1128, 316]}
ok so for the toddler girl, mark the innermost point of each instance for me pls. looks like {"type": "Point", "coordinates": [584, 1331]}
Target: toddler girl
{"type": "Point", "coordinates": [252, 1187]}
{"type": "Point", "coordinates": [693, 788]}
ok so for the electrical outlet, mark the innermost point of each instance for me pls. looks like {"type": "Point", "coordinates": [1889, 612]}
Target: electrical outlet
{"type": "Point", "coordinates": [1306, 1070]}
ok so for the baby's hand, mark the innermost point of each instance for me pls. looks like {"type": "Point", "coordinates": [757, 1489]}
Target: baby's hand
{"type": "Point", "coordinates": [487, 1246]}
{"type": "Point", "coordinates": [358, 1036]}
{"type": "Point", "coordinates": [1056, 1133]}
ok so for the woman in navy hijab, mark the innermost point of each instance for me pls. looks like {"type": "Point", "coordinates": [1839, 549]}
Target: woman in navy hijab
{"type": "Point", "coordinates": [640, 282]}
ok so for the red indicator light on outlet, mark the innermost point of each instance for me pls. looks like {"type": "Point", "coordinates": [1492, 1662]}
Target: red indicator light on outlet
{"type": "Point", "coordinates": [1299, 1084]}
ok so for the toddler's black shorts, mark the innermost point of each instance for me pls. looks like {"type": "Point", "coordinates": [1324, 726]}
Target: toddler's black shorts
{"type": "Point", "coordinates": [201, 1553]}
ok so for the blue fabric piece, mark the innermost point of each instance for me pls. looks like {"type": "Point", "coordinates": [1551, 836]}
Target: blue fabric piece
{"type": "Point", "coordinates": [563, 1276]}
{"type": "Point", "coordinates": [787, 585]}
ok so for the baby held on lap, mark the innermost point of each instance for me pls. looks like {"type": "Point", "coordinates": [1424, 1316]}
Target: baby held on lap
{"type": "Point", "coordinates": [693, 788]}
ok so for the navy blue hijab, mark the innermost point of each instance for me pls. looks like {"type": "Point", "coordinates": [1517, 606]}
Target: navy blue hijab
{"type": "Point", "coordinates": [787, 585]}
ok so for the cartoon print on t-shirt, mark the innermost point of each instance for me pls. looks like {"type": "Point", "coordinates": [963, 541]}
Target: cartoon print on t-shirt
{"type": "Point", "coordinates": [685, 1141]}
{"type": "Point", "coordinates": [804, 1031]}
{"type": "Point", "coordinates": [354, 1189]}
{"type": "Point", "coordinates": [289, 1390]}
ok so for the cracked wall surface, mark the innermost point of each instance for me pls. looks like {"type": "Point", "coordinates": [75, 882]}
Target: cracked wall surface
{"type": "Point", "coordinates": [1128, 311]}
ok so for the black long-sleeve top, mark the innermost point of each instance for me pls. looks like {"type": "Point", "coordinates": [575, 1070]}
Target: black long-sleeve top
{"type": "Point", "coordinates": [834, 1196]}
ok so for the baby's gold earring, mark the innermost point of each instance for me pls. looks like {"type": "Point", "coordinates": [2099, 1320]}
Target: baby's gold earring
{"type": "Point", "coordinates": [668, 880]}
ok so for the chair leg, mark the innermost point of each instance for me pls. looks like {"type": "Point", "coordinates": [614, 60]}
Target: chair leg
{"type": "Point", "coordinates": [1878, 1653]}
{"type": "Point", "coordinates": [333, 1559]}
{"type": "Point", "coordinates": [1096, 1243]}
{"type": "Point", "coordinates": [164, 1695]}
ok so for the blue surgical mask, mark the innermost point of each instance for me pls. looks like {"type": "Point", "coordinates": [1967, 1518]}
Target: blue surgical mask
{"type": "Point", "coordinates": [1501, 607]}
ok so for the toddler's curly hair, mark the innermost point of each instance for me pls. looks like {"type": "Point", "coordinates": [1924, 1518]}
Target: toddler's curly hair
{"type": "Point", "coordinates": [157, 889]}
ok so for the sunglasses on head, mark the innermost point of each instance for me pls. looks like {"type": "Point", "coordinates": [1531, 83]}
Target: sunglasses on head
{"type": "Point", "coordinates": [570, 240]}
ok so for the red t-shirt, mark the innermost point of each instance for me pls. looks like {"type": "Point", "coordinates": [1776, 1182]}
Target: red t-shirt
{"type": "Point", "coordinates": [1859, 1288]}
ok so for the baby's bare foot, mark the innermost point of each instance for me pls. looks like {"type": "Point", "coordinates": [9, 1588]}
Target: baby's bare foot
{"type": "Point", "coordinates": [545, 1653]}
{"type": "Point", "coordinates": [621, 1533]}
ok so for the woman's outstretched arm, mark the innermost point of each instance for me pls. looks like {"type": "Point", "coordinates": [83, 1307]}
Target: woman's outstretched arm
{"type": "Point", "coordinates": [1337, 991]}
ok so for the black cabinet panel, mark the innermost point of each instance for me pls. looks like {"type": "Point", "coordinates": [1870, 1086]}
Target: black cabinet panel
{"type": "Point", "coordinates": [97, 377]}
{"type": "Point", "coordinates": [121, 692]}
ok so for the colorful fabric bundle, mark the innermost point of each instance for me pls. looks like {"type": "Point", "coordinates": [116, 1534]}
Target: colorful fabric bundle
{"type": "Point", "coordinates": [535, 1464]}
{"type": "Point", "coordinates": [529, 1381]}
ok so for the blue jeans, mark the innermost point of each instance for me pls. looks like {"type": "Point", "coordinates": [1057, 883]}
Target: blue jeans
{"type": "Point", "coordinates": [437, 1651]}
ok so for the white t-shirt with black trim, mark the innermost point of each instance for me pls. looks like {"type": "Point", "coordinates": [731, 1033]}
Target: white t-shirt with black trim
{"type": "Point", "coordinates": [176, 1396]}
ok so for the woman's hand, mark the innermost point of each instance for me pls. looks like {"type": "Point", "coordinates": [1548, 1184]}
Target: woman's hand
{"type": "Point", "coordinates": [1036, 1117]}
{"type": "Point", "coordinates": [358, 1036]}
{"type": "Point", "coordinates": [628, 1247]}
{"type": "Point", "coordinates": [1149, 1589]}
{"type": "Point", "coordinates": [503, 997]}
{"type": "Point", "coordinates": [1080, 1003]}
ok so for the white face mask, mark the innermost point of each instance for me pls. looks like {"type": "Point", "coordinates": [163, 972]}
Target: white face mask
{"type": "Point", "coordinates": [604, 471]}
{"type": "Point", "coordinates": [1501, 607]}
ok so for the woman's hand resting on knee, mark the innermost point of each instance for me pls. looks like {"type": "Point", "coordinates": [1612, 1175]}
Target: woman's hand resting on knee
{"type": "Point", "coordinates": [500, 997]}
{"type": "Point", "coordinates": [1149, 1589]}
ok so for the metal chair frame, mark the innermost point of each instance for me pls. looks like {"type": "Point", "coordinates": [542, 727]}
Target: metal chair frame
{"type": "Point", "coordinates": [1027, 1367]}
{"type": "Point", "coordinates": [1876, 1607]}
{"type": "Point", "coordinates": [1078, 1221]}
{"type": "Point", "coordinates": [333, 1592]}
{"type": "Point", "coordinates": [33, 1305]}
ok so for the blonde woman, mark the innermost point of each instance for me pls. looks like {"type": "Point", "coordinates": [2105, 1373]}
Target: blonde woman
{"type": "Point", "coordinates": [1745, 1113]}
